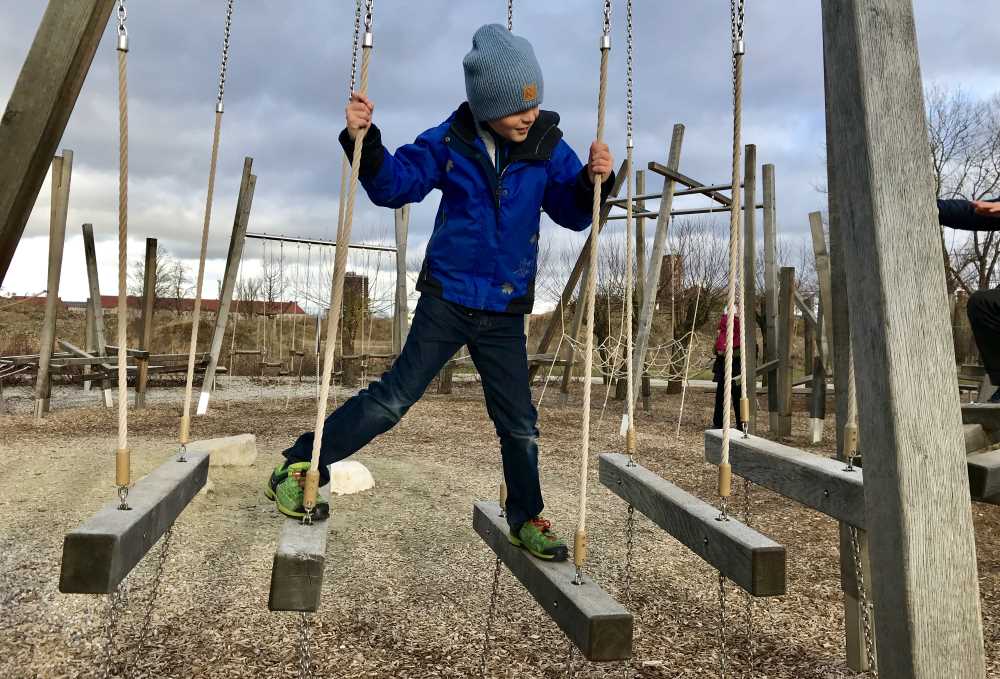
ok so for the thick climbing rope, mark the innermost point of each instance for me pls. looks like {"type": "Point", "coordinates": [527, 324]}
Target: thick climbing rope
{"type": "Point", "coordinates": [339, 271]}
{"type": "Point", "coordinates": [196, 313]}
{"type": "Point", "coordinates": [630, 436]}
{"type": "Point", "coordinates": [687, 361]}
{"type": "Point", "coordinates": [725, 471]}
{"type": "Point", "coordinates": [344, 164]}
{"type": "Point", "coordinates": [580, 538]}
{"type": "Point", "coordinates": [123, 461]}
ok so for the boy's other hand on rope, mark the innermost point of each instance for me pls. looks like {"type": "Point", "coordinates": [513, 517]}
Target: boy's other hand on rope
{"type": "Point", "coordinates": [359, 114]}
{"type": "Point", "coordinates": [600, 162]}
{"type": "Point", "coordinates": [987, 208]}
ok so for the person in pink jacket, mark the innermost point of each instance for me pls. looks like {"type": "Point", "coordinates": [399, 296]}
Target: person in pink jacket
{"type": "Point", "coordinates": [719, 372]}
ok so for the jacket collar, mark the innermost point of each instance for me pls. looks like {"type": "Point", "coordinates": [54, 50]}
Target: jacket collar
{"type": "Point", "coordinates": [541, 142]}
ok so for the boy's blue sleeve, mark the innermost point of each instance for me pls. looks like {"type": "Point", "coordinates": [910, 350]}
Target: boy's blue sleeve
{"type": "Point", "coordinates": [395, 179]}
{"type": "Point", "coordinates": [960, 214]}
{"type": "Point", "coordinates": [569, 193]}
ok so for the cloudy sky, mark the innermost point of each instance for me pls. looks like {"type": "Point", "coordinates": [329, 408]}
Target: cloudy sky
{"type": "Point", "coordinates": [288, 83]}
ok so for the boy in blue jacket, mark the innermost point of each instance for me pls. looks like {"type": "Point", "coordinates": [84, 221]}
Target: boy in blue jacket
{"type": "Point", "coordinates": [984, 305]}
{"type": "Point", "coordinates": [498, 161]}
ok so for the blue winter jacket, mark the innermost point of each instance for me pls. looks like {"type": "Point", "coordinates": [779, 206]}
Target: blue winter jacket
{"type": "Point", "coordinates": [483, 252]}
{"type": "Point", "coordinates": [960, 214]}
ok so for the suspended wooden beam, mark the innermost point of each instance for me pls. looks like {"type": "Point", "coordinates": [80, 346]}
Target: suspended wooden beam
{"type": "Point", "coordinates": [812, 480]}
{"type": "Point", "coordinates": [597, 624]}
{"type": "Point", "coordinates": [751, 560]}
{"type": "Point", "coordinates": [99, 554]}
{"type": "Point", "coordinates": [299, 562]}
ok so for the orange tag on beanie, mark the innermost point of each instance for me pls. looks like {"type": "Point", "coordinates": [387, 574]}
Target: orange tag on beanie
{"type": "Point", "coordinates": [530, 92]}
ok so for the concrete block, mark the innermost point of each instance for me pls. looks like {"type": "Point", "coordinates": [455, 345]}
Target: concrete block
{"type": "Point", "coordinates": [228, 451]}
{"type": "Point", "coordinates": [349, 476]}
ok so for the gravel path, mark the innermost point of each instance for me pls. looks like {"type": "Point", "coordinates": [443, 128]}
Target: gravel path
{"type": "Point", "coordinates": [407, 581]}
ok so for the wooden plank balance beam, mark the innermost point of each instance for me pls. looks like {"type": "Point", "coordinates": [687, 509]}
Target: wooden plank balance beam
{"type": "Point", "coordinates": [299, 562]}
{"type": "Point", "coordinates": [98, 555]}
{"type": "Point", "coordinates": [812, 480]}
{"type": "Point", "coordinates": [751, 560]}
{"type": "Point", "coordinates": [599, 626]}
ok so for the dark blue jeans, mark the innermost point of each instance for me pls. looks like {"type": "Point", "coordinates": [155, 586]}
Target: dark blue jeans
{"type": "Point", "coordinates": [497, 345]}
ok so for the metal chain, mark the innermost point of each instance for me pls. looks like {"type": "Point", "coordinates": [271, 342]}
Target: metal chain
{"type": "Point", "coordinates": [490, 616]}
{"type": "Point", "coordinates": [628, 74]}
{"type": "Point", "coordinates": [627, 579]}
{"type": "Point", "coordinates": [866, 620]}
{"type": "Point", "coordinates": [510, 15]}
{"type": "Point", "coordinates": [570, 661]}
{"type": "Point", "coordinates": [354, 50]}
{"type": "Point", "coordinates": [607, 17]}
{"type": "Point", "coordinates": [723, 650]}
{"type": "Point", "coordinates": [151, 604]}
{"type": "Point", "coordinates": [305, 648]}
{"type": "Point", "coordinates": [748, 617]}
{"type": "Point", "coordinates": [738, 14]}
{"type": "Point", "coordinates": [122, 17]}
{"type": "Point", "coordinates": [225, 55]}
{"type": "Point", "coordinates": [369, 8]}
{"type": "Point", "coordinates": [117, 601]}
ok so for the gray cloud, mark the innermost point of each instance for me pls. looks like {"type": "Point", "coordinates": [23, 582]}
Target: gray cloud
{"type": "Point", "coordinates": [288, 83]}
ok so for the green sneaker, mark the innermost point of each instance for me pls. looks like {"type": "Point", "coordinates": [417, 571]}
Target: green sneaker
{"type": "Point", "coordinates": [537, 537]}
{"type": "Point", "coordinates": [283, 487]}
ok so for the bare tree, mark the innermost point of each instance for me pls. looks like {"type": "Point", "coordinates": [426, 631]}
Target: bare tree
{"type": "Point", "coordinates": [965, 152]}
{"type": "Point", "coordinates": [165, 263]}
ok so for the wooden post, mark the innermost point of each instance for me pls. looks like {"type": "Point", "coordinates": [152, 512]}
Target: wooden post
{"type": "Point", "coordinates": [748, 322]}
{"type": "Point", "coordinates": [925, 583]}
{"type": "Point", "coordinates": [574, 333]}
{"type": "Point", "coordinates": [233, 258]}
{"type": "Point", "coordinates": [771, 291]}
{"type": "Point", "coordinates": [62, 169]}
{"type": "Point", "coordinates": [39, 108]}
{"type": "Point", "coordinates": [401, 311]}
{"type": "Point", "coordinates": [91, 338]}
{"type": "Point", "coordinates": [652, 284]}
{"type": "Point", "coordinates": [97, 309]}
{"type": "Point", "coordinates": [823, 278]}
{"type": "Point", "coordinates": [640, 270]}
{"type": "Point", "coordinates": [148, 311]}
{"type": "Point", "coordinates": [786, 328]}
{"type": "Point", "coordinates": [809, 334]}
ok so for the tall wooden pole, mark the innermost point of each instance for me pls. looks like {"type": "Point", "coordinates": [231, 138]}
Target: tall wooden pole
{"type": "Point", "coordinates": [401, 311]}
{"type": "Point", "coordinates": [148, 314]}
{"type": "Point", "coordinates": [786, 329]}
{"type": "Point", "coordinates": [235, 254]}
{"type": "Point", "coordinates": [771, 292]}
{"type": "Point", "coordinates": [640, 268]}
{"type": "Point", "coordinates": [62, 169]}
{"type": "Point", "coordinates": [916, 482]}
{"type": "Point", "coordinates": [39, 108]}
{"type": "Point", "coordinates": [749, 322]}
{"type": "Point", "coordinates": [97, 309]}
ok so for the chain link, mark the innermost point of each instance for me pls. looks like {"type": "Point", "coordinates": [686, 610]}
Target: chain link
{"type": "Point", "coordinates": [628, 74]}
{"type": "Point", "coordinates": [607, 17]}
{"type": "Point", "coordinates": [627, 578]}
{"type": "Point", "coordinates": [570, 660]}
{"type": "Point", "coordinates": [354, 49]}
{"type": "Point", "coordinates": [723, 650]}
{"type": "Point", "coordinates": [866, 620]}
{"type": "Point", "coordinates": [151, 604]}
{"type": "Point", "coordinates": [748, 616]}
{"type": "Point", "coordinates": [305, 648]}
{"type": "Point", "coordinates": [225, 53]}
{"type": "Point", "coordinates": [738, 17]}
{"type": "Point", "coordinates": [510, 15]}
{"type": "Point", "coordinates": [490, 617]}
{"type": "Point", "coordinates": [117, 601]}
{"type": "Point", "coordinates": [369, 8]}
{"type": "Point", "coordinates": [122, 17]}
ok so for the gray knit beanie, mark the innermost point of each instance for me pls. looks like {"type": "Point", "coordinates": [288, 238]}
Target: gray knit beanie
{"type": "Point", "coordinates": [502, 75]}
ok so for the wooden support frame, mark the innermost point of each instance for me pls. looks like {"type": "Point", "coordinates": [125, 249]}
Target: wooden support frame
{"type": "Point", "coordinates": [234, 256]}
{"type": "Point", "coordinates": [574, 277]}
{"type": "Point", "coordinates": [925, 582]}
{"type": "Point", "coordinates": [401, 309]}
{"type": "Point", "coordinates": [96, 308]}
{"type": "Point", "coordinates": [786, 329]}
{"type": "Point", "coordinates": [148, 313]}
{"type": "Point", "coordinates": [749, 326]}
{"type": "Point", "coordinates": [817, 482]}
{"type": "Point", "coordinates": [98, 555]}
{"type": "Point", "coordinates": [299, 563]}
{"type": "Point", "coordinates": [40, 106]}
{"type": "Point", "coordinates": [62, 171]}
{"type": "Point", "coordinates": [771, 291]}
{"type": "Point", "coordinates": [597, 624]}
{"type": "Point", "coordinates": [751, 560]}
